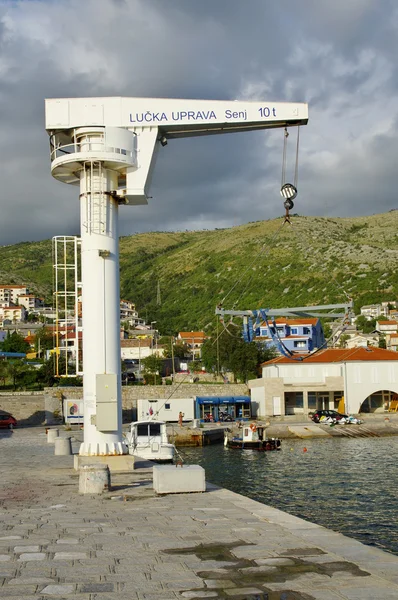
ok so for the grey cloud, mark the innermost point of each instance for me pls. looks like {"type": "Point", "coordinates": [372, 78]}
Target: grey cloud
{"type": "Point", "coordinates": [340, 57]}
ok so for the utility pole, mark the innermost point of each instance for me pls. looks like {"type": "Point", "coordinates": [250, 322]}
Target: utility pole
{"type": "Point", "coordinates": [172, 356]}
{"type": "Point", "coordinates": [158, 297]}
{"type": "Point", "coordinates": [218, 353]}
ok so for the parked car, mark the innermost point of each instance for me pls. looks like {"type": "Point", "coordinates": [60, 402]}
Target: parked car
{"type": "Point", "coordinates": [331, 414]}
{"type": "Point", "coordinates": [7, 420]}
{"type": "Point", "coordinates": [333, 417]}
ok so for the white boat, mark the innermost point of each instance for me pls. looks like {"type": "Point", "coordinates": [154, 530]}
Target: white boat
{"type": "Point", "coordinates": [253, 438]}
{"type": "Point", "coordinates": [148, 440]}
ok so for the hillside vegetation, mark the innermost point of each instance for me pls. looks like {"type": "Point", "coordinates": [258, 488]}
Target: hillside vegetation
{"type": "Point", "coordinates": [315, 261]}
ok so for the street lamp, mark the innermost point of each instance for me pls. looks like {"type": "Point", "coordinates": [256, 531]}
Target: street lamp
{"type": "Point", "coordinates": [152, 323]}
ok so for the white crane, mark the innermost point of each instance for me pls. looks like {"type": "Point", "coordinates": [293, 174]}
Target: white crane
{"type": "Point", "coordinates": [108, 146]}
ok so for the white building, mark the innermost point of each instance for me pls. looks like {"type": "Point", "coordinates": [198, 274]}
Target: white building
{"type": "Point", "coordinates": [194, 340]}
{"type": "Point", "coordinates": [165, 409]}
{"type": "Point", "coordinates": [139, 349]}
{"type": "Point", "coordinates": [374, 311]}
{"type": "Point", "coordinates": [365, 378]}
{"type": "Point", "coordinates": [30, 302]}
{"type": "Point", "coordinates": [387, 326]}
{"type": "Point", "coordinates": [12, 314]}
{"type": "Point", "coordinates": [362, 340]}
{"type": "Point", "coordinates": [10, 293]}
{"type": "Point", "coordinates": [392, 341]}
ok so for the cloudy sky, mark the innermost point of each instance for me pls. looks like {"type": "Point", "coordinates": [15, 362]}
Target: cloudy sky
{"type": "Point", "coordinates": [338, 56]}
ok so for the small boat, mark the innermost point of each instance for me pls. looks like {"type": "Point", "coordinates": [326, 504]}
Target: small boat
{"type": "Point", "coordinates": [253, 438]}
{"type": "Point", "coordinates": [148, 440]}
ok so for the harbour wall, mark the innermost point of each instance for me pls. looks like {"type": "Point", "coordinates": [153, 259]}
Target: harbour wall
{"type": "Point", "coordinates": [45, 407]}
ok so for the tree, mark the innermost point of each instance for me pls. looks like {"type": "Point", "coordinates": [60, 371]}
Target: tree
{"type": "Point", "coordinates": [364, 325]}
{"type": "Point", "coordinates": [180, 350]}
{"type": "Point", "coordinates": [3, 371]}
{"type": "Point", "coordinates": [152, 367]}
{"type": "Point", "coordinates": [15, 342]}
{"type": "Point", "coordinates": [343, 339]}
{"type": "Point", "coordinates": [232, 353]}
{"type": "Point", "coordinates": [46, 373]}
{"type": "Point", "coordinates": [17, 369]}
{"type": "Point", "coordinates": [44, 340]}
{"type": "Point", "coordinates": [195, 365]}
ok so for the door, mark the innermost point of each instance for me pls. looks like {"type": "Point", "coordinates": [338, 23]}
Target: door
{"type": "Point", "coordinates": [276, 406]}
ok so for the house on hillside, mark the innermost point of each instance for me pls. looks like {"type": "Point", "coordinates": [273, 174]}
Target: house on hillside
{"type": "Point", "coordinates": [374, 311]}
{"type": "Point", "coordinates": [30, 302]}
{"type": "Point", "coordinates": [362, 340]}
{"type": "Point", "coordinates": [194, 340]}
{"type": "Point", "coordinates": [11, 314]}
{"type": "Point", "coordinates": [392, 341]}
{"type": "Point", "coordinates": [10, 293]}
{"type": "Point", "coordinates": [139, 348]}
{"type": "Point", "coordinates": [365, 378]}
{"type": "Point", "coordinates": [387, 327]}
{"type": "Point", "coordinates": [297, 335]}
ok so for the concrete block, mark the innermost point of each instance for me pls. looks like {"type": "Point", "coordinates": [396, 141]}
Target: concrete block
{"type": "Point", "coordinates": [171, 479]}
{"type": "Point", "coordinates": [94, 479]}
{"type": "Point", "coordinates": [62, 446]}
{"type": "Point", "coordinates": [52, 434]}
{"type": "Point", "coordinates": [121, 463]}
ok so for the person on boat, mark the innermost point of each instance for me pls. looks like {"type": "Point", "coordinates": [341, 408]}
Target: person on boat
{"type": "Point", "coordinates": [180, 417]}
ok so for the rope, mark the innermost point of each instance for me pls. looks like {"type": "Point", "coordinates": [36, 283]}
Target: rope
{"type": "Point", "coordinates": [297, 153]}
{"type": "Point", "coordinates": [286, 135]}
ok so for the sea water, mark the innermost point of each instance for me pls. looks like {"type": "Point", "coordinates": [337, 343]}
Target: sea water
{"type": "Point", "coordinates": [348, 485]}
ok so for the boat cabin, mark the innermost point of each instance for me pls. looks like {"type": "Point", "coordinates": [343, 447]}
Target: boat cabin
{"type": "Point", "coordinates": [253, 433]}
{"type": "Point", "coordinates": [148, 440]}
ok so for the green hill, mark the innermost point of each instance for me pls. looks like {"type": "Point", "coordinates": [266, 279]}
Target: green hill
{"type": "Point", "coordinates": [261, 264]}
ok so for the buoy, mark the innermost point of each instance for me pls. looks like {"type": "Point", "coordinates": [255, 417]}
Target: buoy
{"type": "Point", "coordinates": [304, 449]}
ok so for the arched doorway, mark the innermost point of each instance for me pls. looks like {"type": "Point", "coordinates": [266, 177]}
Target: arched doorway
{"type": "Point", "coordinates": [378, 402]}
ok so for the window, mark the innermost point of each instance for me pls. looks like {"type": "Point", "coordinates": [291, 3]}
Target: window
{"type": "Point", "coordinates": [299, 399]}
{"type": "Point", "coordinates": [155, 429]}
{"type": "Point", "coordinates": [311, 399]}
{"type": "Point", "coordinates": [167, 406]}
{"type": "Point", "coordinates": [142, 429]}
{"type": "Point", "coordinates": [293, 331]}
{"type": "Point", "coordinates": [306, 331]}
{"type": "Point", "coordinates": [300, 344]}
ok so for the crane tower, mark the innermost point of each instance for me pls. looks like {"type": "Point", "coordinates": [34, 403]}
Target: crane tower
{"type": "Point", "coordinates": [107, 147]}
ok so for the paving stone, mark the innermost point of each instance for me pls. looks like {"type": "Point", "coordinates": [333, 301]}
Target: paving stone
{"type": "Point", "coordinates": [280, 562]}
{"type": "Point", "coordinates": [219, 583]}
{"type": "Point", "coordinates": [18, 591]}
{"type": "Point", "coordinates": [30, 581]}
{"type": "Point", "coordinates": [5, 557]}
{"type": "Point", "coordinates": [20, 549]}
{"type": "Point", "coordinates": [67, 541]}
{"type": "Point", "coordinates": [58, 590]}
{"type": "Point", "coordinates": [97, 587]}
{"type": "Point", "coordinates": [259, 569]}
{"type": "Point", "coordinates": [70, 555]}
{"type": "Point", "coordinates": [199, 594]}
{"type": "Point", "coordinates": [243, 591]}
{"type": "Point", "coordinates": [32, 556]}
{"type": "Point", "coordinates": [370, 593]}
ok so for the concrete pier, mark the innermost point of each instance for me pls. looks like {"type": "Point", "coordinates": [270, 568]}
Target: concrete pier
{"type": "Point", "coordinates": [131, 543]}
